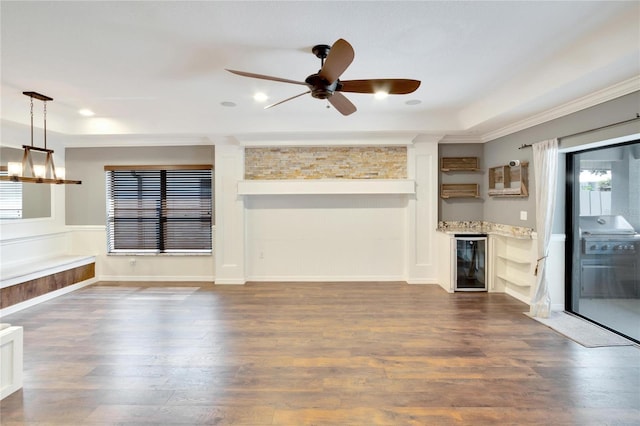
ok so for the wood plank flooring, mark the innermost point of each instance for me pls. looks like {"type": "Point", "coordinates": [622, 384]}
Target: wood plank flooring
{"type": "Point", "coordinates": [309, 354]}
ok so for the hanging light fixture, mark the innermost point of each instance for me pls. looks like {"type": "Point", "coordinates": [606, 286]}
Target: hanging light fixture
{"type": "Point", "coordinates": [27, 171]}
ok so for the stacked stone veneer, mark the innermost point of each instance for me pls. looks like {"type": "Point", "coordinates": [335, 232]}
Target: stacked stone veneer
{"type": "Point", "coordinates": [326, 163]}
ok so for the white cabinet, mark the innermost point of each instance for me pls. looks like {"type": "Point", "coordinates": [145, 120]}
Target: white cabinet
{"type": "Point", "coordinates": [11, 354]}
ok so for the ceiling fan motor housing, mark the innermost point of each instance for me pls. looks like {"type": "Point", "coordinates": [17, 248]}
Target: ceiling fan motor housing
{"type": "Point", "coordinates": [321, 88]}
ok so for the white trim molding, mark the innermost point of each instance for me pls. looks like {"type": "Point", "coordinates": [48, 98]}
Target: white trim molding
{"type": "Point", "coordinates": [328, 139]}
{"type": "Point", "coordinates": [326, 186]}
{"type": "Point", "coordinates": [617, 90]}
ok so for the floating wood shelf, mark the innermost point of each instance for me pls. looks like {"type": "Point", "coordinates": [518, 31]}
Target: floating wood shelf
{"type": "Point", "coordinates": [507, 181]}
{"type": "Point", "coordinates": [459, 190]}
{"type": "Point", "coordinates": [459, 164]}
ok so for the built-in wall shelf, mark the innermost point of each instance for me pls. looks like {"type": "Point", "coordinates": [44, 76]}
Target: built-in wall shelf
{"type": "Point", "coordinates": [326, 186]}
{"type": "Point", "coordinates": [515, 280]}
{"type": "Point", "coordinates": [459, 190]}
{"type": "Point", "coordinates": [509, 181]}
{"type": "Point", "coordinates": [514, 259]}
{"type": "Point", "coordinates": [512, 265]}
{"type": "Point", "coordinates": [459, 164]}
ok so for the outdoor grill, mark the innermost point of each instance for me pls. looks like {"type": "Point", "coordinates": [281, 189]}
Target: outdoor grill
{"type": "Point", "coordinates": [608, 235]}
{"type": "Point", "coordinates": [609, 258]}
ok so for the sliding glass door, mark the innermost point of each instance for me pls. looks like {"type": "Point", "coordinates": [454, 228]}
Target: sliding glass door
{"type": "Point", "coordinates": [603, 239]}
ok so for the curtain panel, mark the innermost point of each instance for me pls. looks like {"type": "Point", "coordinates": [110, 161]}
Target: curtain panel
{"type": "Point", "coordinates": [545, 163]}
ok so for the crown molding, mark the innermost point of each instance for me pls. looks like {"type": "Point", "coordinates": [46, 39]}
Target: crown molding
{"type": "Point", "coordinates": [461, 139]}
{"type": "Point", "coordinates": [107, 141]}
{"type": "Point", "coordinates": [327, 139]}
{"type": "Point", "coordinates": [617, 90]}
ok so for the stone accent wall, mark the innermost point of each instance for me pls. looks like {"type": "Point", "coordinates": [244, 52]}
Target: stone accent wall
{"type": "Point", "coordinates": [364, 162]}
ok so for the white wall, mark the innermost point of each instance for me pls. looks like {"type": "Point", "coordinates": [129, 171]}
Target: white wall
{"type": "Point", "coordinates": [325, 237]}
{"type": "Point", "coordinates": [30, 248]}
{"type": "Point", "coordinates": [329, 236]}
{"type": "Point", "coordinates": [92, 240]}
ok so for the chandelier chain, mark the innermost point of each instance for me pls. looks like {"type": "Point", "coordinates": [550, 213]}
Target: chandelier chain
{"type": "Point", "coordinates": [44, 109]}
{"type": "Point", "coordinates": [31, 120]}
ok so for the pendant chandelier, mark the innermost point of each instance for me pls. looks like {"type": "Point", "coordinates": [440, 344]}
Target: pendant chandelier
{"type": "Point", "coordinates": [29, 172]}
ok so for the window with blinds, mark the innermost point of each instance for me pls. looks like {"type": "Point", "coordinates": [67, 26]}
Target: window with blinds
{"type": "Point", "coordinates": [159, 209]}
{"type": "Point", "coordinates": [10, 198]}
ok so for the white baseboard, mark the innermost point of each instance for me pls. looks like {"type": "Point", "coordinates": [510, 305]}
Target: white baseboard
{"type": "Point", "coordinates": [230, 282]}
{"type": "Point", "coordinates": [423, 281]}
{"type": "Point", "coordinates": [325, 278]}
{"type": "Point", "coordinates": [515, 295]}
{"type": "Point", "coordinates": [165, 278]}
{"type": "Point", "coordinates": [48, 296]}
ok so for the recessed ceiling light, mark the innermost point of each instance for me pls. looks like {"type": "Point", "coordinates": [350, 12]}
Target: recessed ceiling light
{"type": "Point", "coordinates": [86, 112]}
{"type": "Point", "coordinates": [413, 102]}
{"type": "Point", "coordinates": [228, 104]}
{"type": "Point", "coordinates": [381, 94]}
{"type": "Point", "coordinates": [260, 97]}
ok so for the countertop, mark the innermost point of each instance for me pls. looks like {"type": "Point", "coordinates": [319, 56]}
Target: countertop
{"type": "Point", "coordinates": [482, 227]}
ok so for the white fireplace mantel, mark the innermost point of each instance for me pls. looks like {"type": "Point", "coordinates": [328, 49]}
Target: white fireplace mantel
{"type": "Point", "coordinates": [326, 186]}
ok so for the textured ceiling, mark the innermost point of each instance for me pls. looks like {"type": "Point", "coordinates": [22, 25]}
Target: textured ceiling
{"type": "Point", "coordinates": [150, 68]}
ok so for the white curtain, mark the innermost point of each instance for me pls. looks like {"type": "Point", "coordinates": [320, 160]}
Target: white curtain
{"type": "Point", "coordinates": [545, 164]}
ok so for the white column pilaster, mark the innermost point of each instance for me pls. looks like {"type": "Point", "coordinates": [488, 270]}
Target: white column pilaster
{"type": "Point", "coordinates": [422, 212]}
{"type": "Point", "coordinates": [230, 215]}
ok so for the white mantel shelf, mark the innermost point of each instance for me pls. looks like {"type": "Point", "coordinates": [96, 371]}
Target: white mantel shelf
{"type": "Point", "coordinates": [326, 186]}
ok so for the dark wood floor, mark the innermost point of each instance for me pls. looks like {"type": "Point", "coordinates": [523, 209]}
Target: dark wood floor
{"type": "Point", "coordinates": [309, 354]}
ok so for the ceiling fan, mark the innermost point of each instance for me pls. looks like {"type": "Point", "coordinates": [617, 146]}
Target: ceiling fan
{"type": "Point", "coordinates": [326, 84]}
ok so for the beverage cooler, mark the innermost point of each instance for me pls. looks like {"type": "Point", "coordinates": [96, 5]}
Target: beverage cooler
{"type": "Point", "coordinates": [470, 272]}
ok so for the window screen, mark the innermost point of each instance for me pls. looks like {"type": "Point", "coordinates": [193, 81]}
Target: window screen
{"type": "Point", "coordinates": [166, 210]}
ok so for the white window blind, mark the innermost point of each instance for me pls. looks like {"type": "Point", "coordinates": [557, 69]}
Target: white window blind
{"type": "Point", "coordinates": [161, 210]}
{"type": "Point", "coordinates": [10, 198]}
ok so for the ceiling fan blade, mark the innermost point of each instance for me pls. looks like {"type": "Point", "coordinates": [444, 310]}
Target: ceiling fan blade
{"type": "Point", "coordinates": [265, 77]}
{"type": "Point", "coordinates": [393, 86]}
{"type": "Point", "coordinates": [288, 99]}
{"type": "Point", "coordinates": [339, 58]}
{"type": "Point", "coordinates": [341, 103]}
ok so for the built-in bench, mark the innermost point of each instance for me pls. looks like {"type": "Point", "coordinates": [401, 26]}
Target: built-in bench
{"type": "Point", "coordinates": [24, 284]}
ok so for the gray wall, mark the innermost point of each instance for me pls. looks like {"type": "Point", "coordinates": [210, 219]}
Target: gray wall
{"type": "Point", "coordinates": [500, 151]}
{"type": "Point", "coordinates": [86, 203]}
{"type": "Point", "coordinates": [455, 209]}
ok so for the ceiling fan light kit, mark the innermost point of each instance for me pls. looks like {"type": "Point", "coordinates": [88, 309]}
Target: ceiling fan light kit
{"type": "Point", "coordinates": [326, 83]}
